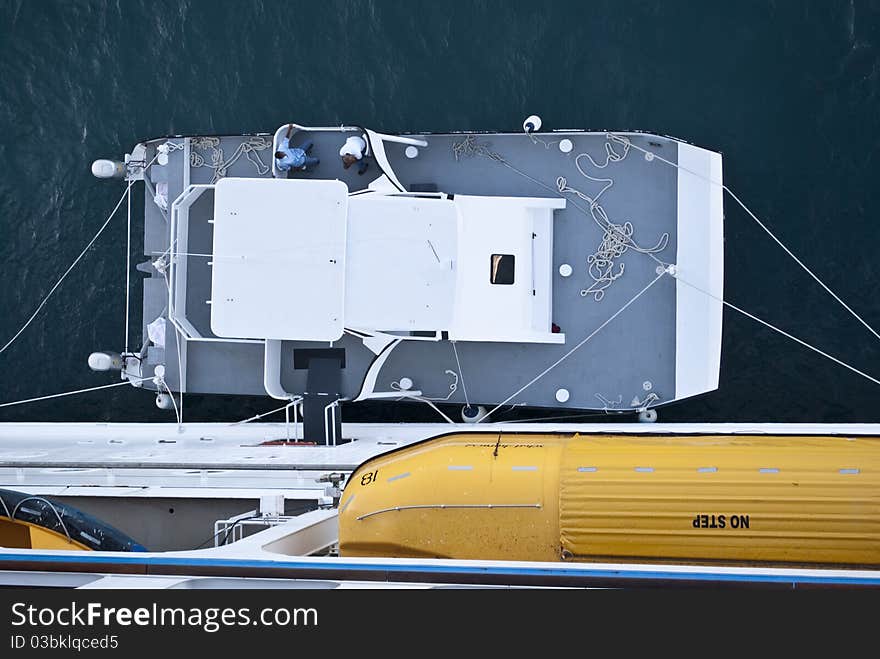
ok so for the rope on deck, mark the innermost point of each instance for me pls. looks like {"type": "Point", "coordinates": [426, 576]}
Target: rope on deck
{"type": "Point", "coordinates": [579, 345]}
{"type": "Point", "coordinates": [617, 238]}
{"type": "Point", "coordinates": [248, 148]}
{"type": "Point", "coordinates": [654, 156]}
{"type": "Point", "coordinates": [663, 268]}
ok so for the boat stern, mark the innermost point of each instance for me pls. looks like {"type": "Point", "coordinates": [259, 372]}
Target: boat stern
{"type": "Point", "coordinates": [699, 271]}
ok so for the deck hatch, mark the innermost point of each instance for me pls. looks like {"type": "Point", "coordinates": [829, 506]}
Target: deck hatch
{"type": "Point", "coordinates": [501, 269]}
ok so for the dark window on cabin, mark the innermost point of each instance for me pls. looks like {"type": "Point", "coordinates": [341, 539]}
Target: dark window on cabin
{"type": "Point", "coordinates": [501, 268]}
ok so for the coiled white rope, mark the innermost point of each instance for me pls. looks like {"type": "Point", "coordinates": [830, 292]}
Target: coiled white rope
{"type": "Point", "coordinates": [654, 156]}
{"type": "Point", "coordinates": [616, 238]}
{"type": "Point", "coordinates": [468, 147]}
{"type": "Point", "coordinates": [730, 305]}
{"type": "Point", "coordinates": [636, 404]}
{"type": "Point", "coordinates": [453, 386]}
{"type": "Point", "coordinates": [608, 404]}
{"type": "Point", "coordinates": [248, 148]}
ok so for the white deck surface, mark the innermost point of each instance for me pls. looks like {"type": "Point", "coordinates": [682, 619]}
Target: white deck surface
{"type": "Point", "coordinates": [146, 446]}
{"type": "Point", "coordinates": [400, 270]}
{"type": "Point", "coordinates": [279, 259]}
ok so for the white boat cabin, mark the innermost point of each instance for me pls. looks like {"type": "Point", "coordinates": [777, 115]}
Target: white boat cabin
{"type": "Point", "coordinates": [303, 260]}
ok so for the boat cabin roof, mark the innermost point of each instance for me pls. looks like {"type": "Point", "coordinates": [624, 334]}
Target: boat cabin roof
{"type": "Point", "coordinates": [302, 260]}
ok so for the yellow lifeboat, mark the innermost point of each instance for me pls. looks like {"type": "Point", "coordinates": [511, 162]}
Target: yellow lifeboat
{"type": "Point", "coordinates": [16, 534]}
{"type": "Point", "coordinates": [626, 498]}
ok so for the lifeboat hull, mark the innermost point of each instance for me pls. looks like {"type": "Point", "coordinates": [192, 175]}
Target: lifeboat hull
{"type": "Point", "coordinates": [546, 497]}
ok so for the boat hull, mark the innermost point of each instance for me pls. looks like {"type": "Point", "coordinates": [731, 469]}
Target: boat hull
{"type": "Point", "coordinates": [35, 522]}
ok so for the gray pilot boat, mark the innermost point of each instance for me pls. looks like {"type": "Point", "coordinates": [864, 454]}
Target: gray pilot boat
{"type": "Point", "coordinates": [472, 272]}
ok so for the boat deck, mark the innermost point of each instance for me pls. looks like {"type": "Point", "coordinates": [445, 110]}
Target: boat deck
{"type": "Point", "coordinates": [634, 356]}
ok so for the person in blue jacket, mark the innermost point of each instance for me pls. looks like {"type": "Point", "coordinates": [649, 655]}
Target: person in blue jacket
{"type": "Point", "coordinates": [294, 157]}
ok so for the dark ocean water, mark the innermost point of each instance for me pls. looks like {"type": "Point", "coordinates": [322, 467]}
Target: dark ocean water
{"type": "Point", "coordinates": [788, 91]}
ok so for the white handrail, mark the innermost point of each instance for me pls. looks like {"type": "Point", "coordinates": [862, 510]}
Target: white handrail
{"type": "Point", "coordinates": [272, 371]}
{"type": "Point", "coordinates": [400, 139]}
{"type": "Point", "coordinates": [378, 147]}
{"type": "Point", "coordinates": [330, 421]}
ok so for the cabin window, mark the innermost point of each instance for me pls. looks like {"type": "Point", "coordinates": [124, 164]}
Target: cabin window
{"type": "Point", "coordinates": [501, 268]}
